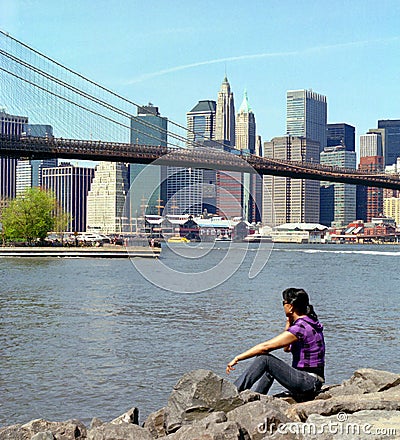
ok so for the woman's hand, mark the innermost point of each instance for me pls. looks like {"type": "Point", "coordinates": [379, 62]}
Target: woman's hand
{"type": "Point", "coordinates": [229, 367]}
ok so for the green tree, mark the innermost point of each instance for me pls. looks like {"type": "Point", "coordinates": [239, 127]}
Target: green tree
{"type": "Point", "coordinates": [31, 216]}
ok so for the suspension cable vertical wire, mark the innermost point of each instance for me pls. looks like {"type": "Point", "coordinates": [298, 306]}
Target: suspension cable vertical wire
{"type": "Point", "coordinates": [98, 88]}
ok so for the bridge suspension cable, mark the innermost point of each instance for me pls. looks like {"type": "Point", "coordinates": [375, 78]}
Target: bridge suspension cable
{"type": "Point", "coordinates": [90, 96]}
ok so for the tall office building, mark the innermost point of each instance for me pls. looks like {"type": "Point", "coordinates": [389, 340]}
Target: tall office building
{"type": "Point", "coordinates": [29, 172]}
{"type": "Point", "coordinates": [341, 134]}
{"type": "Point", "coordinates": [37, 130]}
{"type": "Point", "coordinates": [230, 191]}
{"type": "Point", "coordinates": [293, 200]}
{"type": "Point", "coordinates": [184, 186]}
{"type": "Point", "coordinates": [147, 128]}
{"type": "Point", "coordinates": [106, 209]}
{"type": "Point", "coordinates": [246, 142]}
{"type": "Point", "coordinates": [10, 125]}
{"type": "Point", "coordinates": [338, 200]}
{"type": "Point", "coordinates": [371, 160]}
{"type": "Point", "coordinates": [391, 208]}
{"type": "Point", "coordinates": [184, 191]}
{"type": "Point", "coordinates": [201, 122]}
{"type": "Point", "coordinates": [306, 115]}
{"type": "Point", "coordinates": [259, 147]}
{"type": "Point", "coordinates": [371, 145]}
{"type": "Point", "coordinates": [391, 139]}
{"type": "Point", "coordinates": [225, 115]}
{"type": "Point", "coordinates": [71, 185]}
{"type": "Point", "coordinates": [245, 127]}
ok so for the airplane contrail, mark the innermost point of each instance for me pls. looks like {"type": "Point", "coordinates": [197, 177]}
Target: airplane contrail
{"type": "Point", "coordinates": [257, 56]}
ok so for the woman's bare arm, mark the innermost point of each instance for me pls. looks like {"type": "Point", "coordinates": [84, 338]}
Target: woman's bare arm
{"type": "Point", "coordinates": [283, 340]}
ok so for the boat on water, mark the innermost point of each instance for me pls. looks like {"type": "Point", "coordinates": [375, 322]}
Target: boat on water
{"type": "Point", "coordinates": [223, 238]}
{"type": "Point", "coordinates": [257, 238]}
{"type": "Point", "coordinates": [298, 237]}
{"type": "Point", "coordinates": [178, 239]}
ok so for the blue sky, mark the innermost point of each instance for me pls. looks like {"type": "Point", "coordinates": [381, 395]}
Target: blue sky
{"type": "Point", "coordinates": [174, 53]}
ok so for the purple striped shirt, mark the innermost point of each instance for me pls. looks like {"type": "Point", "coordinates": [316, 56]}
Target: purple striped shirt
{"type": "Point", "coordinates": [309, 350]}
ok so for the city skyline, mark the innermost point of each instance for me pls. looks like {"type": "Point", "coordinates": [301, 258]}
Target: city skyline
{"type": "Point", "coordinates": [167, 54]}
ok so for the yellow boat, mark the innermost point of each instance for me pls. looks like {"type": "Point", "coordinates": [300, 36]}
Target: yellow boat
{"type": "Point", "coordinates": [178, 240]}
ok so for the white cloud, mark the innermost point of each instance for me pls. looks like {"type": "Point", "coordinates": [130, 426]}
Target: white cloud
{"type": "Point", "coordinates": [306, 51]}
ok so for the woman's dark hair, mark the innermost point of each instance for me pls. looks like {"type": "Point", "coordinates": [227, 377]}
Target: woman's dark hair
{"type": "Point", "coordinates": [299, 299]}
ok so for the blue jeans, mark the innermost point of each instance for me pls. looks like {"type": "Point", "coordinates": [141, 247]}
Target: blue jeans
{"type": "Point", "coordinates": [266, 367]}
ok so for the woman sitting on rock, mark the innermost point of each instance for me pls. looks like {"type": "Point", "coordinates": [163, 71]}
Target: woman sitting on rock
{"type": "Point", "coordinates": [303, 337]}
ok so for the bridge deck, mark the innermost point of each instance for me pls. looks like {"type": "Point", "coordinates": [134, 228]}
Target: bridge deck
{"type": "Point", "coordinates": [207, 158]}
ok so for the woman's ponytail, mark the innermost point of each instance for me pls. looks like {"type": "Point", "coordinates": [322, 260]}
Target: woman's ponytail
{"type": "Point", "coordinates": [311, 313]}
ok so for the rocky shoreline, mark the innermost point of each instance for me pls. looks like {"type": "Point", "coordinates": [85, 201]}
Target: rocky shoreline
{"type": "Point", "coordinates": [204, 406]}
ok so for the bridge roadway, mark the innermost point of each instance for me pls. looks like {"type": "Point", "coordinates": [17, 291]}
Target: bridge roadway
{"type": "Point", "coordinates": [207, 158]}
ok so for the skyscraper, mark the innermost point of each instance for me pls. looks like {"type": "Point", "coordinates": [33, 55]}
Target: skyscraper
{"type": "Point", "coordinates": [245, 127]}
{"type": "Point", "coordinates": [293, 200]}
{"type": "Point", "coordinates": [184, 186]}
{"type": "Point", "coordinates": [307, 115]}
{"type": "Point", "coordinates": [147, 128]}
{"type": "Point", "coordinates": [70, 185]}
{"type": "Point", "coordinates": [10, 125]}
{"type": "Point", "coordinates": [29, 172]}
{"type": "Point", "coordinates": [225, 115]}
{"type": "Point", "coordinates": [107, 197]}
{"type": "Point", "coordinates": [342, 200]}
{"type": "Point", "coordinates": [246, 142]}
{"type": "Point", "coordinates": [371, 159]}
{"type": "Point", "coordinates": [371, 145]}
{"type": "Point", "coordinates": [341, 134]}
{"type": "Point", "coordinates": [391, 139]}
{"type": "Point", "coordinates": [184, 191]}
{"type": "Point", "coordinates": [201, 122]}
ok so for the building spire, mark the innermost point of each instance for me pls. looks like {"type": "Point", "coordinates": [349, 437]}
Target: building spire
{"type": "Point", "coordinates": [245, 107]}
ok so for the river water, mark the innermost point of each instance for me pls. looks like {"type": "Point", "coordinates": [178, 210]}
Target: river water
{"type": "Point", "coordinates": [91, 337]}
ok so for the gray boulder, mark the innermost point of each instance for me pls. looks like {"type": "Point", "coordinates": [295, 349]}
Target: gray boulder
{"type": "Point", "coordinates": [385, 400]}
{"type": "Point", "coordinates": [363, 381]}
{"type": "Point", "coordinates": [213, 431]}
{"type": "Point", "coordinates": [69, 430]}
{"type": "Point", "coordinates": [131, 416]}
{"type": "Point", "coordinates": [258, 418]}
{"type": "Point", "coordinates": [374, 425]}
{"type": "Point", "coordinates": [155, 423]}
{"type": "Point", "coordinates": [95, 423]}
{"type": "Point", "coordinates": [196, 395]}
{"type": "Point", "coordinates": [119, 431]}
{"type": "Point", "coordinates": [46, 435]}
{"type": "Point", "coordinates": [12, 432]}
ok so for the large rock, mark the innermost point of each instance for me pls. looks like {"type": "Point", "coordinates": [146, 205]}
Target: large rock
{"type": "Point", "coordinates": [258, 418]}
{"type": "Point", "coordinates": [12, 432]}
{"type": "Point", "coordinates": [46, 435]}
{"type": "Point", "coordinates": [371, 425]}
{"type": "Point", "coordinates": [131, 416]}
{"type": "Point", "coordinates": [385, 400]}
{"type": "Point", "coordinates": [155, 423]}
{"type": "Point", "coordinates": [363, 381]}
{"type": "Point", "coordinates": [69, 430]}
{"type": "Point", "coordinates": [197, 394]}
{"type": "Point", "coordinates": [119, 431]}
{"type": "Point", "coordinates": [213, 431]}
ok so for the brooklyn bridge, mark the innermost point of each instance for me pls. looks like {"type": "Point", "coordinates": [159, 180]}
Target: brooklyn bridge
{"type": "Point", "coordinates": [94, 123]}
